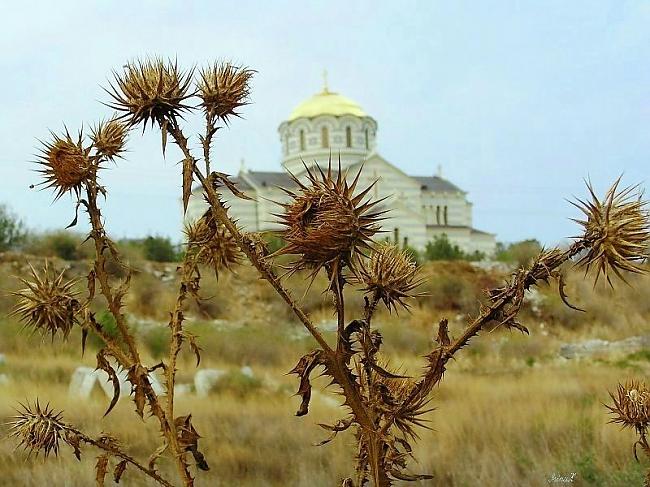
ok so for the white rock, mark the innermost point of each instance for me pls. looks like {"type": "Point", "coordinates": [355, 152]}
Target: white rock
{"type": "Point", "coordinates": [181, 390]}
{"type": "Point", "coordinates": [247, 371]}
{"type": "Point", "coordinates": [3, 359]}
{"type": "Point", "coordinates": [4, 379]}
{"type": "Point", "coordinates": [206, 379]}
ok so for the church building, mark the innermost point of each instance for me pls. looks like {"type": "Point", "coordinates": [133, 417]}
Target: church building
{"type": "Point", "coordinates": [421, 207]}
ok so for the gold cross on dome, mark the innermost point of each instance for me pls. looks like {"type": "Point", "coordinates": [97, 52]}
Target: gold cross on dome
{"type": "Point", "coordinates": [325, 87]}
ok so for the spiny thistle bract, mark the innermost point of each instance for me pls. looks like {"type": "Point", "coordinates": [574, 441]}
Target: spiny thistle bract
{"type": "Point", "coordinates": [38, 429]}
{"type": "Point", "coordinates": [212, 244]}
{"type": "Point", "coordinates": [223, 88]}
{"type": "Point", "coordinates": [390, 274]}
{"type": "Point", "coordinates": [631, 405]}
{"type": "Point", "coordinates": [48, 304]}
{"type": "Point", "coordinates": [66, 163]}
{"type": "Point", "coordinates": [617, 229]}
{"type": "Point", "coordinates": [326, 223]}
{"type": "Point", "coordinates": [151, 91]}
{"type": "Point", "coordinates": [109, 138]}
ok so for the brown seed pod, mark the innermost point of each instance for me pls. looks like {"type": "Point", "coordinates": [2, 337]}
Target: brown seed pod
{"type": "Point", "coordinates": [66, 164]}
{"type": "Point", "coordinates": [617, 230]}
{"type": "Point", "coordinates": [631, 405]}
{"type": "Point", "coordinates": [326, 223]}
{"type": "Point", "coordinates": [48, 303]}
{"type": "Point", "coordinates": [223, 88]}
{"type": "Point", "coordinates": [38, 429]}
{"type": "Point", "coordinates": [109, 138]}
{"type": "Point", "coordinates": [151, 91]}
{"type": "Point", "coordinates": [212, 244]}
{"type": "Point", "coordinates": [390, 274]}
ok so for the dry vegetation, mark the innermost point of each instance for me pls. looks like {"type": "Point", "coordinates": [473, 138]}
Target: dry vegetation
{"type": "Point", "coordinates": [385, 395]}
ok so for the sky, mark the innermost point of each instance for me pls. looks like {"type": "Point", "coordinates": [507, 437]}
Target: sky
{"type": "Point", "coordinates": [518, 101]}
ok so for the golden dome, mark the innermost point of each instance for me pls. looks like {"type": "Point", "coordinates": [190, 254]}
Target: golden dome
{"type": "Point", "coordinates": [326, 103]}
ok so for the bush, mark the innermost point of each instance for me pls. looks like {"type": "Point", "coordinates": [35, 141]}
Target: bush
{"type": "Point", "coordinates": [159, 249]}
{"type": "Point", "coordinates": [12, 232]}
{"type": "Point", "coordinates": [440, 248]}
{"type": "Point", "coordinates": [63, 244]}
{"type": "Point", "coordinates": [519, 253]}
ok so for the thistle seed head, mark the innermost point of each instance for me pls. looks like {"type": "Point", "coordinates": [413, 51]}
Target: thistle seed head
{"type": "Point", "coordinates": [38, 429]}
{"type": "Point", "coordinates": [390, 274]}
{"type": "Point", "coordinates": [109, 138]}
{"type": "Point", "coordinates": [212, 243]}
{"type": "Point", "coordinates": [48, 304]}
{"type": "Point", "coordinates": [631, 405]}
{"type": "Point", "coordinates": [66, 164]}
{"type": "Point", "coordinates": [223, 88]}
{"type": "Point", "coordinates": [326, 222]}
{"type": "Point", "coordinates": [150, 91]}
{"type": "Point", "coordinates": [617, 230]}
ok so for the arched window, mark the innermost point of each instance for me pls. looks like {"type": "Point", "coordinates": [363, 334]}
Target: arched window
{"type": "Point", "coordinates": [396, 236]}
{"type": "Point", "coordinates": [367, 140]}
{"type": "Point", "coordinates": [348, 136]}
{"type": "Point", "coordinates": [438, 214]}
{"type": "Point", "coordinates": [324, 137]}
{"type": "Point", "coordinates": [302, 140]}
{"type": "Point", "coordinates": [445, 215]}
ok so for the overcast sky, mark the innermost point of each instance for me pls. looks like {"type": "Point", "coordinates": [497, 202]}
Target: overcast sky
{"type": "Point", "coordinates": [518, 101]}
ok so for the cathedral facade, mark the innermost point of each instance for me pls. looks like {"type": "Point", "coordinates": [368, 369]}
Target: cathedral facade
{"type": "Point", "coordinates": [328, 124]}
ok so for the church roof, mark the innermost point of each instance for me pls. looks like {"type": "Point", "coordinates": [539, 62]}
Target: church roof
{"type": "Point", "coordinates": [326, 103]}
{"type": "Point", "coordinates": [267, 178]}
{"type": "Point", "coordinates": [437, 184]}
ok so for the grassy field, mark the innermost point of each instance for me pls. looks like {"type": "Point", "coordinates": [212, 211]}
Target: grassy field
{"type": "Point", "coordinates": [510, 411]}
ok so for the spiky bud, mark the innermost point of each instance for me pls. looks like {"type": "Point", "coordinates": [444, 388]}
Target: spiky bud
{"type": "Point", "coordinates": [390, 274]}
{"type": "Point", "coordinates": [631, 405]}
{"type": "Point", "coordinates": [151, 91]}
{"type": "Point", "coordinates": [617, 231]}
{"type": "Point", "coordinates": [223, 88]}
{"type": "Point", "coordinates": [48, 303]}
{"type": "Point", "coordinates": [66, 164]}
{"type": "Point", "coordinates": [212, 244]}
{"type": "Point", "coordinates": [38, 429]}
{"type": "Point", "coordinates": [109, 138]}
{"type": "Point", "coordinates": [325, 222]}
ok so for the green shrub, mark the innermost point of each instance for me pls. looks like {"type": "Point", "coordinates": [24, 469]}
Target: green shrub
{"type": "Point", "coordinates": [440, 248]}
{"type": "Point", "coordinates": [12, 232]}
{"type": "Point", "coordinates": [159, 249]}
{"type": "Point", "coordinates": [519, 253]}
{"type": "Point", "coordinates": [63, 244]}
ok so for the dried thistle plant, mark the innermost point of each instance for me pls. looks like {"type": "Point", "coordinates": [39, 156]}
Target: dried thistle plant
{"type": "Point", "coordinates": [329, 227]}
{"type": "Point", "coordinates": [631, 409]}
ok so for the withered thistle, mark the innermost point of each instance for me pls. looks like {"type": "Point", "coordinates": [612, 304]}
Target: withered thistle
{"type": "Point", "coordinates": [152, 91]}
{"type": "Point", "coordinates": [66, 163]}
{"type": "Point", "coordinates": [38, 429]}
{"type": "Point", "coordinates": [212, 244]}
{"type": "Point", "coordinates": [631, 405]}
{"type": "Point", "coordinates": [326, 224]}
{"type": "Point", "coordinates": [109, 138]}
{"type": "Point", "coordinates": [48, 304]}
{"type": "Point", "coordinates": [616, 231]}
{"type": "Point", "coordinates": [223, 89]}
{"type": "Point", "coordinates": [390, 274]}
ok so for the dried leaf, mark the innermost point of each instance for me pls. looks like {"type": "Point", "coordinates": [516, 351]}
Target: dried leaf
{"type": "Point", "coordinates": [84, 337]}
{"type": "Point", "coordinates": [74, 441]}
{"type": "Point", "coordinates": [102, 363]}
{"type": "Point", "coordinates": [194, 347]}
{"type": "Point", "coordinates": [136, 376]}
{"type": "Point", "coordinates": [119, 470]}
{"type": "Point", "coordinates": [443, 333]}
{"type": "Point", "coordinates": [188, 176]}
{"type": "Point", "coordinates": [225, 180]}
{"type": "Point", "coordinates": [101, 468]}
{"type": "Point", "coordinates": [156, 455]}
{"type": "Point", "coordinates": [561, 289]}
{"type": "Point", "coordinates": [91, 284]}
{"type": "Point", "coordinates": [303, 368]}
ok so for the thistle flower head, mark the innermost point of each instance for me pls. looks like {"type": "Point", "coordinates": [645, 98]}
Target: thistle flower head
{"type": "Point", "coordinates": [65, 162]}
{"type": "Point", "coordinates": [48, 303]}
{"type": "Point", "coordinates": [631, 405]}
{"type": "Point", "coordinates": [212, 243]}
{"type": "Point", "coordinates": [151, 91]}
{"type": "Point", "coordinates": [38, 429]}
{"type": "Point", "coordinates": [109, 138]}
{"type": "Point", "coordinates": [617, 230]}
{"type": "Point", "coordinates": [326, 222]}
{"type": "Point", "coordinates": [390, 274]}
{"type": "Point", "coordinates": [223, 88]}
